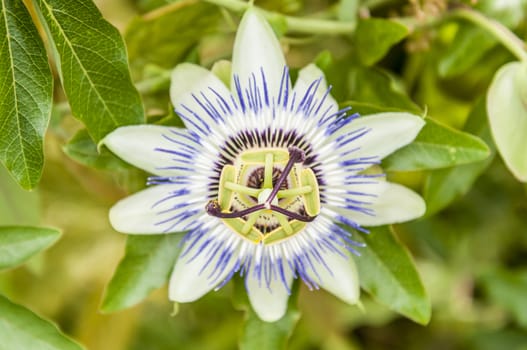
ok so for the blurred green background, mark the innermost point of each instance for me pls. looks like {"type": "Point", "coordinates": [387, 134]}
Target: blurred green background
{"type": "Point", "coordinates": [470, 250]}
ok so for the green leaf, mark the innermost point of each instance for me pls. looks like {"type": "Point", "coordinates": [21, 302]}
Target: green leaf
{"type": "Point", "coordinates": [388, 274]}
{"type": "Point", "coordinates": [258, 334]}
{"type": "Point", "coordinates": [472, 43]}
{"type": "Point", "coordinates": [20, 328]}
{"type": "Point", "coordinates": [507, 109]}
{"type": "Point", "coordinates": [508, 289]}
{"type": "Point", "coordinates": [19, 243]}
{"type": "Point", "coordinates": [17, 206]}
{"type": "Point", "coordinates": [443, 186]}
{"type": "Point", "coordinates": [26, 87]}
{"type": "Point", "coordinates": [152, 38]}
{"type": "Point", "coordinates": [467, 49]}
{"type": "Point", "coordinates": [365, 87]}
{"type": "Point", "coordinates": [223, 70]}
{"type": "Point", "coordinates": [147, 264]}
{"type": "Point", "coordinates": [365, 108]}
{"type": "Point", "coordinates": [261, 335]}
{"type": "Point", "coordinates": [375, 36]}
{"type": "Point", "coordinates": [437, 146]}
{"type": "Point", "coordinates": [376, 87]}
{"type": "Point", "coordinates": [93, 66]}
{"type": "Point", "coordinates": [82, 149]}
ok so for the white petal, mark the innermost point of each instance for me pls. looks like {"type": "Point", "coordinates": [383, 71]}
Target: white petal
{"type": "Point", "coordinates": [386, 133]}
{"type": "Point", "coordinates": [396, 204]}
{"type": "Point", "coordinates": [306, 76]}
{"type": "Point", "coordinates": [340, 277]}
{"type": "Point", "coordinates": [507, 111]}
{"type": "Point", "coordinates": [256, 47]}
{"type": "Point", "coordinates": [144, 211]}
{"type": "Point", "coordinates": [190, 87]}
{"type": "Point", "coordinates": [269, 302]}
{"type": "Point", "coordinates": [361, 189]}
{"type": "Point", "coordinates": [140, 145]}
{"type": "Point", "coordinates": [191, 277]}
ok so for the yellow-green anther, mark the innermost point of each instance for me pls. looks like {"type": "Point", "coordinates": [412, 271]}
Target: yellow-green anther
{"type": "Point", "coordinates": [280, 233]}
{"type": "Point", "coordinates": [268, 175]}
{"type": "Point", "coordinates": [237, 225]}
{"type": "Point", "coordinates": [258, 156]}
{"type": "Point", "coordinates": [274, 236]}
{"type": "Point", "coordinates": [311, 199]}
{"type": "Point", "coordinates": [225, 195]}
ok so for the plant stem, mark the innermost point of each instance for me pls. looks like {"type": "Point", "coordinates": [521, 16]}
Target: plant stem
{"type": "Point", "coordinates": [295, 24]}
{"type": "Point", "coordinates": [498, 30]}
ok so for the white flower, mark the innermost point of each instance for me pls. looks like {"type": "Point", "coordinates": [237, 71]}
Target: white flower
{"type": "Point", "coordinates": [262, 177]}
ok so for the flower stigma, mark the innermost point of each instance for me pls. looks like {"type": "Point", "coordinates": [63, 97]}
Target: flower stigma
{"type": "Point", "coordinates": [267, 196]}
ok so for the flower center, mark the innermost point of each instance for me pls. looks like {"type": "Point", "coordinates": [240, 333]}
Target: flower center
{"type": "Point", "coordinates": [267, 195]}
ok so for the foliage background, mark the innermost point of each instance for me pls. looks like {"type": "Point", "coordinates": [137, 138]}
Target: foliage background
{"type": "Point", "coordinates": [470, 249]}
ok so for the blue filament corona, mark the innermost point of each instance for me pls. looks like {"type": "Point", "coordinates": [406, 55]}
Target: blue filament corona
{"type": "Point", "coordinates": [221, 257]}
